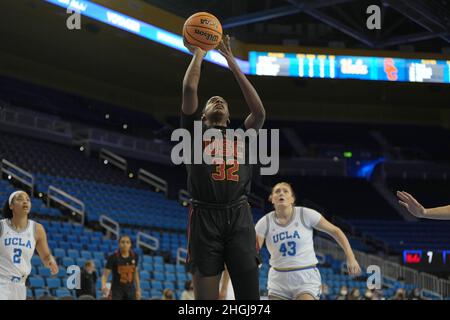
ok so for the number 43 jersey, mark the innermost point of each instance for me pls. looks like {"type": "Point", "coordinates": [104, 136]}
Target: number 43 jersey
{"type": "Point", "coordinates": [16, 249]}
{"type": "Point", "coordinates": [290, 246]}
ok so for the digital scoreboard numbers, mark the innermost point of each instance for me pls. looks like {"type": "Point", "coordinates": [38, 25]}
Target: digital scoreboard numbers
{"type": "Point", "coordinates": [430, 260]}
{"type": "Point", "coordinates": [306, 65]}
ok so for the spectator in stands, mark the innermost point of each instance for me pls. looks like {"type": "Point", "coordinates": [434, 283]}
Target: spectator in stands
{"type": "Point", "coordinates": [400, 294]}
{"type": "Point", "coordinates": [325, 292]}
{"type": "Point", "coordinates": [355, 294]}
{"type": "Point", "coordinates": [416, 209]}
{"type": "Point", "coordinates": [125, 274]}
{"type": "Point", "coordinates": [168, 295]}
{"type": "Point", "coordinates": [88, 280]}
{"type": "Point", "coordinates": [368, 295]}
{"type": "Point", "coordinates": [415, 294]}
{"type": "Point", "coordinates": [343, 292]}
{"type": "Point", "coordinates": [188, 293]}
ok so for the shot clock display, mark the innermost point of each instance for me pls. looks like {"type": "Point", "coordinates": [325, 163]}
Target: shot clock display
{"type": "Point", "coordinates": [427, 260]}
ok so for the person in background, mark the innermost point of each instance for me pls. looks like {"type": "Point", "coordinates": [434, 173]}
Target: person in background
{"type": "Point", "coordinates": [325, 292]}
{"type": "Point", "coordinates": [123, 265]}
{"type": "Point", "coordinates": [400, 294]}
{"type": "Point", "coordinates": [342, 293]}
{"type": "Point", "coordinates": [188, 293]}
{"type": "Point", "coordinates": [355, 294]}
{"type": "Point", "coordinates": [88, 280]}
{"type": "Point", "coordinates": [368, 295]}
{"type": "Point", "coordinates": [168, 295]}
{"type": "Point", "coordinates": [415, 294]}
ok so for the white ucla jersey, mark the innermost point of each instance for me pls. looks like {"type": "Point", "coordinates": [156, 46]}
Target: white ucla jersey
{"type": "Point", "coordinates": [291, 245]}
{"type": "Point", "coordinates": [16, 249]}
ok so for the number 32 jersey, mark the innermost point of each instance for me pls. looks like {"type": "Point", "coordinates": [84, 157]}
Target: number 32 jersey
{"type": "Point", "coordinates": [290, 246]}
{"type": "Point", "coordinates": [16, 249]}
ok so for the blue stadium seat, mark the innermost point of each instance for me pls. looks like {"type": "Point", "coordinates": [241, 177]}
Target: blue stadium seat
{"type": "Point", "coordinates": [169, 285]}
{"type": "Point", "coordinates": [86, 255]}
{"type": "Point", "coordinates": [144, 275]}
{"type": "Point", "coordinates": [145, 285]}
{"type": "Point", "coordinates": [156, 284]}
{"type": "Point", "coordinates": [147, 266]}
{"type": "Point", "coordinates": [68, 262]}
{"type": "Point", "coordinates": [62, 272]}
{"type": "Point", "coordinates": [36, 261]}
{"type": "Point", "coordinates": [158, 267]}
{"type": "Point", "coordinates": [156, 293]}
{"type": "Point", "coordinates": [29, 293]}
{"type": "Point", "coordinates": [44, 272]}
{"type": "Point", "coordinates": [40, 292]}
{"type": "Point", "coordinates": [37, 282]}
{"type": "Point", "coordinates": [169, 268]}
{"type": "Point", "coordinates": [62, 293]}
{"type": "Point", "coordinates": [159, 276]}
{"type": "Point", "coordinates": [74, 254]}
{"type": "Point", "coordinates": [59, 252]}
{"type": "Point", "coordinates": [53, 283]}
{"type": "Point", "coordinates": [81, 262]}
{"type": "Point", "coordinates": [77, 246]}
{"type": "Point", "coordinates": [99, 255]}
{"type": "Point", "coordinates": [170, 277]}
{"type": "Point", "coordinates": [182, 277]}
{"type": "Point", "coordinates": [148, 259]}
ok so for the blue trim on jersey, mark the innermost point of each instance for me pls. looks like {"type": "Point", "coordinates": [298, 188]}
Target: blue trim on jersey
{"type": "Point", "coordinates": [294, 269]}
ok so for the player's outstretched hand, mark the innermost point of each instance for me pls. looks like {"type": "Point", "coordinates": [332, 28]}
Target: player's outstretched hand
{"type": "Point", "coordinates": [194, 49]}
{"type": "Point", "coordinates": [413, 206]}
{"type": "Point", "coordinates": [54, 269]}
{"type": "Point", "coordinates": [353, 267]}
{"type": "Point", "coordinates": [224, 48]}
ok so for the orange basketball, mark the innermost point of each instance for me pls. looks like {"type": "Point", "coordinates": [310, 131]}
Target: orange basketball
{"type": "Point", "coordinates": [203, 30]}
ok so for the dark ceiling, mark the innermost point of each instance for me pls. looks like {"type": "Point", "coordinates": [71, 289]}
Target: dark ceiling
{"type": "Point", "coordinates": [425, 24]}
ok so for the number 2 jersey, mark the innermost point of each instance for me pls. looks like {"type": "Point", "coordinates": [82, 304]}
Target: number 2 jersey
{"type": "Point", "coordinates": [217, 183]}
{"type": "Point", "coordinates": [290, 246]}
{"type": "Point", "coordinates": [16, 249]}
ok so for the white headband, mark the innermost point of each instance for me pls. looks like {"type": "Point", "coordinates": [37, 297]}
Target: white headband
{"type": "Point", "coordinates": [11, 197]}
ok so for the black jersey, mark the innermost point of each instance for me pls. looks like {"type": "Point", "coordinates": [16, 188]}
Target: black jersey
{"type": "Point", "coordinates": [123, 270]}
{"type": "Point", "coordinates": [217, 183]}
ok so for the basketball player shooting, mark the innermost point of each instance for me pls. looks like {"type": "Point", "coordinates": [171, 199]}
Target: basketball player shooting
{"type": "Point", "coordinates": [221, 229]}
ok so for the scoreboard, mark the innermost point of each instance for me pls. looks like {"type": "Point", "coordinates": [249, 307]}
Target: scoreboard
{"type": "Point", "coordinates": [427, 260]}
{"type": "Point", "coordinates": [349, 67]}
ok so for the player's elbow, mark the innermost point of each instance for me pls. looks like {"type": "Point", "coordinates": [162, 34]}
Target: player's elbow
{"type": "Point", "coordinates": [189, 87]}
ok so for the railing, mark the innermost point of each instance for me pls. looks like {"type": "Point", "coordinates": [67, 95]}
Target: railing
{"type": "Point", "coordinates": [140, 243]}
{"type": "Point", "coordinates": [153, 180]}
{"type": "Point", "coordinates": [444, 286]}
{"type": "Point", "coordinates": [114, 159]}
{"type": "Point", "coordinates": [180, 258]}
{"type": "Point", "coordinates": [35, 121]}
{"type": "Point", "coordinates": [26, 178]}
{"type": "Point", "coordinates": [184, 196]}
{"type": "Point", "coordinates": [54, 194]}
{"type": "Point", "coordinates": [106, 223]}
{"type": "Point", "coordinates": [429, 282]}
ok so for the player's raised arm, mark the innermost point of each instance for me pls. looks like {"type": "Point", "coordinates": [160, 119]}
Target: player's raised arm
{"type": "Point", "coordinates": [191, 80]}
{"type": "Point", "coordinates": [416, 209]}
{"type": "Point", "coordinates": [43, 249]}
{"type": "Point", "coordinates": [257, 112]}
{"type": "Point", "coordinates": [325, 226]}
